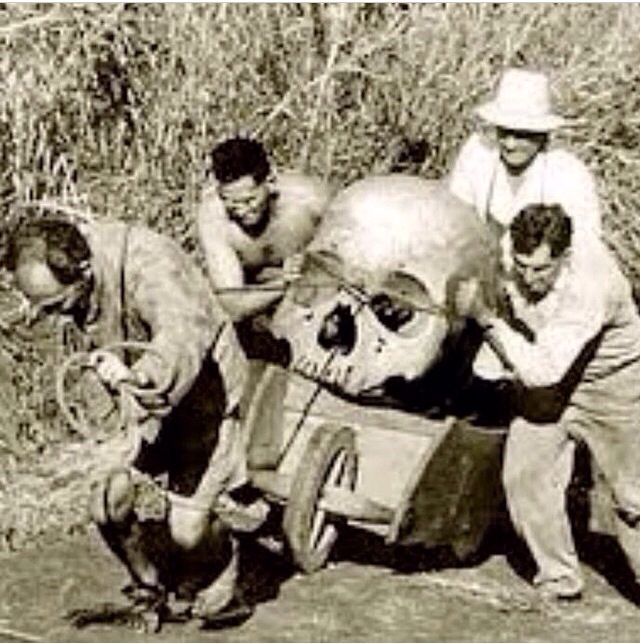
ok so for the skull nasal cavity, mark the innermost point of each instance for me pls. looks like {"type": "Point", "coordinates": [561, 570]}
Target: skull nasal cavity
{"type": "Point", "coordinates": [338, 330]}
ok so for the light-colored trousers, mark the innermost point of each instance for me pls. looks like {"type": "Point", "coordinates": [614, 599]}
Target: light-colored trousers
{"type": "Point", "coordinates": [538, 464]}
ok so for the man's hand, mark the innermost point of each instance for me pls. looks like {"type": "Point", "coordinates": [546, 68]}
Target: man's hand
{"type": "Point", "coordinates": [470, 302]}
{"type": "Point", "coordinates": [112, 371]}
{"type": "Point", "coordinates": [626, 499]}
{"type": "Point", "coordinates": [292, 268]}
{"type": "Point", "coordinates": [270, 274]}
{"type": "Point", "coordinates": [289, 272]}
{"type": "Point", "coordinates": [27, 313]}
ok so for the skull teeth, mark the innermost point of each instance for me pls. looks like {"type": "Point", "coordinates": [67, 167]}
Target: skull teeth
{"type": "Point", "coordinates": [306, 367]}
{"type": "Point", "coordinates": [326, 373]}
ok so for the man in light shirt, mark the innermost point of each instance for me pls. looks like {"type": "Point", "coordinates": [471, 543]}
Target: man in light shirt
{"type": "Point", "coordinates": [513, 164]}
{"type": "Point", "coordinates": [577, 374]}
{"type": "Point", "coordinates": [116, 282]}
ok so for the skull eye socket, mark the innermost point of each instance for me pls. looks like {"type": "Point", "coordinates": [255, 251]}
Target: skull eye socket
{"type": "Point", "coordinates": [392, 313]}
{"type": "Point", "coordinates": [321, 273]}
{"type": "Point", "coordinates": [403, 304]}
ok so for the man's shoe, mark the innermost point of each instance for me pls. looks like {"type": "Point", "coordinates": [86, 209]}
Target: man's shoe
{"type": "Point", "coordinates": [220, 592]}
{"type": "Point", "coordinates": [236, 612]}
{"type": "Point", "coordinates": [148, 607]}
{"type": "Point", "coordinates": [563, 589]}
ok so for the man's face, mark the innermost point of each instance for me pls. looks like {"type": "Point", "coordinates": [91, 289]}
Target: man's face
{"type": "Point", "coordinates": [245, 200]}
{"type": "Point", "coordinates": [518, 148]}
{"type": "Point", "coordinates": [535, 274]}
{"type": "Point", "coordinates": [45, 293]}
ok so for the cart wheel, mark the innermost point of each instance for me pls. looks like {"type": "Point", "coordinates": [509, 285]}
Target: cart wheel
{"type": "Point", "coordinates": [329, 459]}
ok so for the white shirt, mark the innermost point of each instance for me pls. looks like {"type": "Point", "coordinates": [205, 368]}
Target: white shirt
{"type": "Point", "coordinates": [480, 179]}
{"type": "Point", "coordinates": [590, 299]}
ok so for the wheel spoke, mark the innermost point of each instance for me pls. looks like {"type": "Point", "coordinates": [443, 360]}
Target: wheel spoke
{"type": "Point", "coordinates": [323, 534]}
{"type": "Point", "coordinates": [315, 535]}
{"type": "Point", "coordinates": [328, 537]}
{"type": "Point", "coordinates": [337, 470]}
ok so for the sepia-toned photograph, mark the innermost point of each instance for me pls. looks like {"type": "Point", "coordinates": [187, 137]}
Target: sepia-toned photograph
{"type": "Point", "coordinates": [319, 322]}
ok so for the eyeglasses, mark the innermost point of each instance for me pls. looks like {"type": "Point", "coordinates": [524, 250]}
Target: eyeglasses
{"type": "Point", "coordinates": [59, 303]}
{"type": "Point", "coordinates": [528, 135]}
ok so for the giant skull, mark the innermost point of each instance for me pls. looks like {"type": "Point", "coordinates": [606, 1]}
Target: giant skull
{"type": "Point", "coordinates": [375, 301]}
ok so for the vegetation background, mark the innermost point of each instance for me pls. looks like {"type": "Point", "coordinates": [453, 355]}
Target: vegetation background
{"type": "Point", "coordinates": [111, 110]}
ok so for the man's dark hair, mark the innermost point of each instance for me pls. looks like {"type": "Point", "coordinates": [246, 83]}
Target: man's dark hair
{"type": "Point", "coordinates": [239, 157]}
{"type": "Point", "coordinates": [538, 223]}
{"type": "Point", "coordinates": [56, 242]}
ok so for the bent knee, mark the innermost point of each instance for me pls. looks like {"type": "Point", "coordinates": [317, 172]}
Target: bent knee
{"type": "Point", "coordinates": [188, 527]}
{"type": "Point", "coordinates": [112, 498]}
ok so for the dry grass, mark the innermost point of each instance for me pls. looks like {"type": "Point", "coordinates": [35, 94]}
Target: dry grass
{"type": "Point", "coordinates": [112, 108]}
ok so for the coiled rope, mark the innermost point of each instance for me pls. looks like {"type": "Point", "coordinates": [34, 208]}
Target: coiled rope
{"type": "Point", "coordinates": [83, 360]}
{"type": "Point", "coordinates": [223, 505]}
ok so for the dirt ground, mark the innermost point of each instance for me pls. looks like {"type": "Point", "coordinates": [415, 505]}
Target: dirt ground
{"type": "Point", "coordinates": [369, 592]}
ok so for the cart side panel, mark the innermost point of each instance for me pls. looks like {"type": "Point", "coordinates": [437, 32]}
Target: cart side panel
{"type": "Point", "coordinates": [392, 445]}
{"type": "Point", "coordinates": [263, 414]}
{"type": "Point", "coordinates": [459, 492]}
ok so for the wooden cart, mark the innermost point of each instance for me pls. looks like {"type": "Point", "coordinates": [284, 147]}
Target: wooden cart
{"type": "Point", "coordinates": [403, 476]}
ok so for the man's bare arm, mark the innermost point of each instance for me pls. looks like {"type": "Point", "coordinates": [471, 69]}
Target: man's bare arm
{"type": "Point", "coordinates": [248, 300]}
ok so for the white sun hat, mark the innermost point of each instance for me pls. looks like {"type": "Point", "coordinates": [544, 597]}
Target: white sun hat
{"type": "Point", "coordinates": [522, 102]}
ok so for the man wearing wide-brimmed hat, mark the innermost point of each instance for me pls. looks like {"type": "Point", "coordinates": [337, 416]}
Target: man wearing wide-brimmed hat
{"type": "Point", "coordinates": [512, 166]}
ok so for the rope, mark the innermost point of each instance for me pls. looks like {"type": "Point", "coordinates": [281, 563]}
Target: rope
{"type": "Point", "coordinates": [312, 399]}
{"type": "Point", "coordinates": [338, 280]}
{"type": "Point", "coordinates": [307, 410]}
{"type": "Point", "coordinates": [269, 287]}
{"type": "Point", "coordinates": [361, 293]}
{"type": "Point", "coordinates": [82, 360]}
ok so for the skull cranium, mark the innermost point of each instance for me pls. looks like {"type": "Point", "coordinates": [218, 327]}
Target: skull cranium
{"type": "Point", "coordinates": [374, 300]}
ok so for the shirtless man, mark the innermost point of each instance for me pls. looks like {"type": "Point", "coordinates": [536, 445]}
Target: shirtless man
{"type": "Point", "coordinates": [253, 223]}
